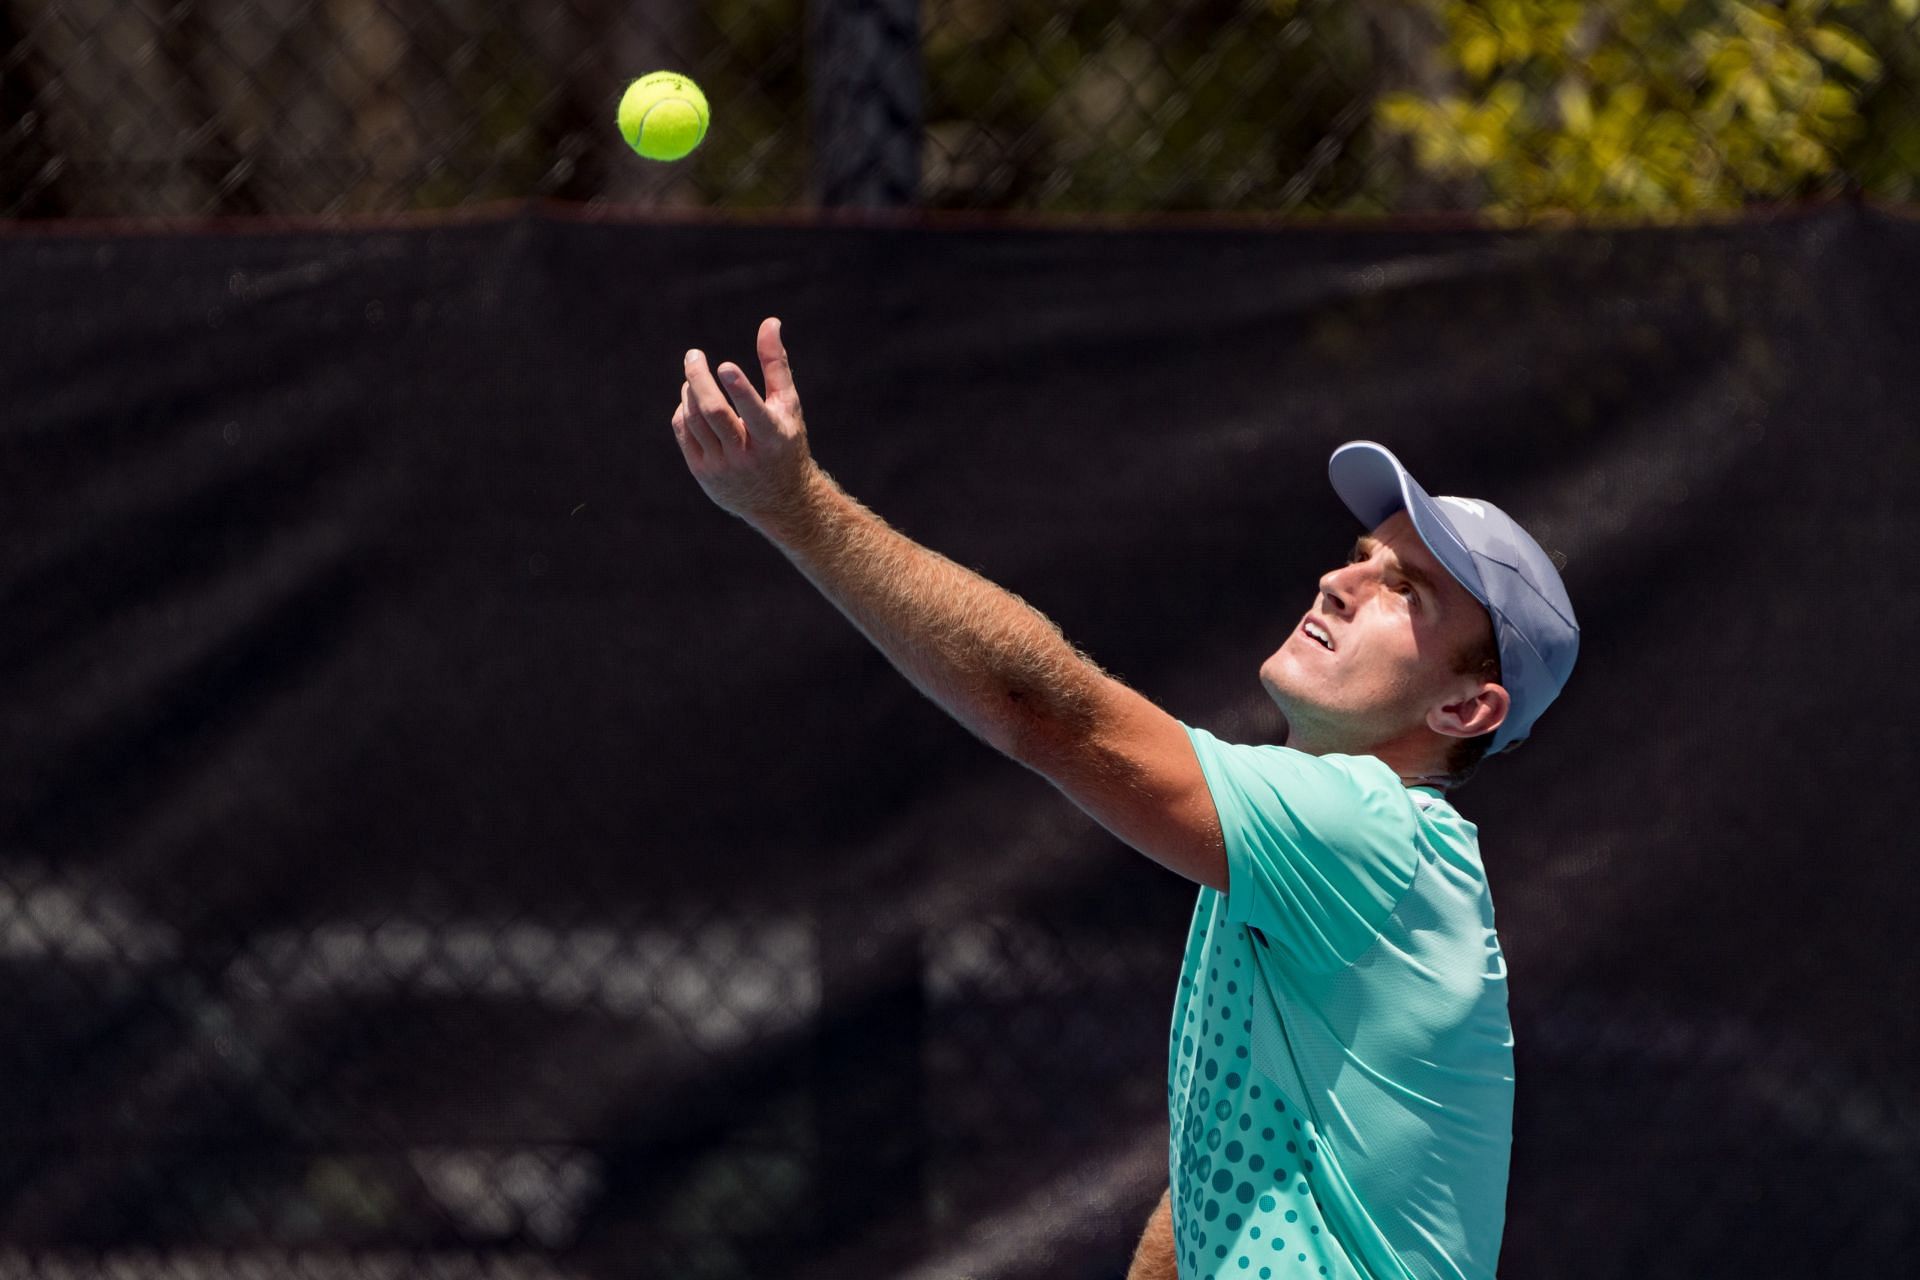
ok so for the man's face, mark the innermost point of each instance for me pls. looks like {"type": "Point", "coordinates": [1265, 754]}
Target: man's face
{"type": "Point", "coordinates": [1398, 622]}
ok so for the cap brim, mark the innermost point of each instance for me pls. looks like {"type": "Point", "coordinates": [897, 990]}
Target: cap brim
{"type": "Point", "coordinates": [1373, 484]}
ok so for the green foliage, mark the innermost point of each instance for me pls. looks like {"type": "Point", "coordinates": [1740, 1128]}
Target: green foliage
{"type": "Point", "coordinates": [1656, 107]}
{"type": "Point", "coordinates": [1519, 108]}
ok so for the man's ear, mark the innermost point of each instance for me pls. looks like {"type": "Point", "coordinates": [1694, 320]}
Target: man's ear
{"type": "Point", "coordinates": [1482, 711]}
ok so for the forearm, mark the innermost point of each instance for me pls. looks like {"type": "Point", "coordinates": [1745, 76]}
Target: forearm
{"type": "Point", "coordinates": [984, 655]}
{"type": "Point", "coordinates": [1154, 1257]}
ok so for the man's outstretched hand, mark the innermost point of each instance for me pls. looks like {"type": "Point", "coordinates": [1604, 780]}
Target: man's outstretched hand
{"type": "Point", "coordinates": [749, 454]}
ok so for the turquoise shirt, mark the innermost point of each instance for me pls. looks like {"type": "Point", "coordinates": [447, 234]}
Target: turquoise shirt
{"type": "Point", "coordinates": [1340, 1073]}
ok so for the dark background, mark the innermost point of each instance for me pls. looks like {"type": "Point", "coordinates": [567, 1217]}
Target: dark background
{"type": "Point", "coordinates": [432, 834]}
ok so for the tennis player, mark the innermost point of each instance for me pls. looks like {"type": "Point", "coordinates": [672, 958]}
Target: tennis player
{"type": "Point", "coordinates": [1340, 1070]}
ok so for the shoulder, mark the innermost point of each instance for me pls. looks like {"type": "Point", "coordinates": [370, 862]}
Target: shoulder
{"type": "Point", "coordinates": [1336, 797]}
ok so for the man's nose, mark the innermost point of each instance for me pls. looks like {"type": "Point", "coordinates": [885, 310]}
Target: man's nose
{"type": "Point", "coordinates": [1330, 593]}
{"type": "Point", "coordinates": [1338, 586]}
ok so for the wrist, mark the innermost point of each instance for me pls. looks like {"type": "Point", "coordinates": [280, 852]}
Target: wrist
{"type": "Point", "coordinates": [791, 520]}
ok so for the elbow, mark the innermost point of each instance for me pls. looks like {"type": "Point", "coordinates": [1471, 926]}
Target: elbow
{"type": "Point", "coordinates": [1040, 726]}
{"type": "Point", "coordinates": [1019, 724]}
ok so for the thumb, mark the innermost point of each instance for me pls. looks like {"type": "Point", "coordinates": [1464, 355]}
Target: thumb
{"type": "Point", "coordinates": [774, 364]}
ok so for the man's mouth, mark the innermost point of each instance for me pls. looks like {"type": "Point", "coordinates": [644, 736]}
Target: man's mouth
{"type": "Point", "coordinates": [1317, 634]}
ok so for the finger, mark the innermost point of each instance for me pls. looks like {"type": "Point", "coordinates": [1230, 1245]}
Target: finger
{"type": "Point", "coordinates": [697, 425]}
{"type": "Point", "coordinates": [775, 368]}
{"type": "Point", "coordinates": [753, 410]}
{"type": "Point", "coordinates": [684, 433]}
{"type": "Point", "coordinates": [711, 401]}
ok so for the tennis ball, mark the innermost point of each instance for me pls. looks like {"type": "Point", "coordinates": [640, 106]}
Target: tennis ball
{"type": "Point", "coordinates": [663, 115]}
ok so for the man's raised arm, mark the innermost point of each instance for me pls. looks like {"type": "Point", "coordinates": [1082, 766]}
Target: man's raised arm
{"type": "Point", "coordinates": [988, 658]}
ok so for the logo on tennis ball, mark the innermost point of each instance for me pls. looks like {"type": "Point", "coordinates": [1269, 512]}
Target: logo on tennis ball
{"type": "Point", "coordinates": [663, 115]}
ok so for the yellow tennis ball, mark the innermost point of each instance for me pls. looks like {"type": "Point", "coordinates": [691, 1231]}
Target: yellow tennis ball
{"type": "Point", "coordinates": [663, 115]}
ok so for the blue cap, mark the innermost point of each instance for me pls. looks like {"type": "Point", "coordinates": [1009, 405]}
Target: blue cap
{"type": "Point", "coordinates": [1494, 559]}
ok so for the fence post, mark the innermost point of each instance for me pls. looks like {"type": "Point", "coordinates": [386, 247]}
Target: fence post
{"type": "Point", "coordinates": [864, 102]}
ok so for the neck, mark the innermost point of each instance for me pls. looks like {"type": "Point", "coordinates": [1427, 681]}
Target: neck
{"type": "Point", "coordinates": [1408, 758]}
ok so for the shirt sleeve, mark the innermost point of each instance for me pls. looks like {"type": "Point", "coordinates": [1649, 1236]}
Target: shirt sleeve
{"type": "Point", "coordinates": [1320, 849]}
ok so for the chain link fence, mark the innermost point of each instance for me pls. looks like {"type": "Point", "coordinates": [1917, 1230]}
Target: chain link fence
{"type": "Point", "coordinates": [1517, 108]}
{"type": "Point", "coordinates": [664, 1094]}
